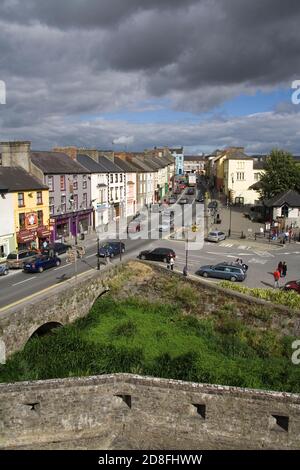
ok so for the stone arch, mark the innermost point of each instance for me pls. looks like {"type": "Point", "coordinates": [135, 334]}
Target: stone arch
{"type": "Point", "coordinates": [45, 329]}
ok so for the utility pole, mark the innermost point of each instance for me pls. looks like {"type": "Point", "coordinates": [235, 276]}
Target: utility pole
{"type": "Point", "coordinates": [229, 231]}
{"type": "Point", "coordinates": [98, 248]}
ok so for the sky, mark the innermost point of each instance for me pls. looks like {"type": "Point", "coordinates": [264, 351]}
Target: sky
{"type": "Point", "coordinates": [134, 74]}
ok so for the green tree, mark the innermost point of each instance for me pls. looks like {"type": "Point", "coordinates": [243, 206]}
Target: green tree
{"type": "Point", "coordinates": [281, 174]}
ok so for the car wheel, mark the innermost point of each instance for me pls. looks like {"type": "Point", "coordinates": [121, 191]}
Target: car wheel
{"type": "Point", "coordinates": [5, 272]}
{"type": "Point", "coordinates": [205, 274]}
{"type": "Point", "coordinates": [233, 278]}
{"type": "Point", "coordinates": [41, 269]}
{"type": "Point", "coordinates": [143, 257]}
{"type": "Point", "coordinates": [57, 263]}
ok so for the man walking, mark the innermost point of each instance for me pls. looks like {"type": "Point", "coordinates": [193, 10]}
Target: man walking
{"type": "Point", "coordinates": [284, 269]}
{"type": "Point", "coordinates": [172, 263]}
{"type": "Point", "coordinates": [276, 275]}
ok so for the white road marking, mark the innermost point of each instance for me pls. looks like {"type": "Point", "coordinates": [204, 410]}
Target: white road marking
{"type": "Point", "coordinates": [26, 280]}
{"type": "Point", "coordinates": [61, 267]}
{"type": "Point", "coordinates": [90, 256]}
{"type": "Point", "coordinates": [264, 254]}
{"type": "Point", "coordinates": [257, 261]}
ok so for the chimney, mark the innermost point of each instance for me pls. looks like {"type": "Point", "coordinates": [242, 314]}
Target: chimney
{"type": "Point", "coordinates": [16, 154]}
{"type": "Point", "coordinates": [70, 151]}
{"type": "Point", "coordinates": [92, 153]}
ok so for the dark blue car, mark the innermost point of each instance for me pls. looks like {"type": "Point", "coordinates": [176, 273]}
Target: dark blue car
{"type": "Point", "coordinates": [40, 263]}
{"type": "Point", "coordinates": [111, 249]}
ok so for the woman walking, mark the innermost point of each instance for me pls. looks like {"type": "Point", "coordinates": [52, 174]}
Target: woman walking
{"type": "Point", "coordinates": [279, 268]}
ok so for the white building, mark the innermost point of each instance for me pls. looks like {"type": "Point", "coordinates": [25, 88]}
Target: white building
{"type": "Point", "coordinates": [179, 158]}
{"type": "Point", "coordinates": [7, 238]}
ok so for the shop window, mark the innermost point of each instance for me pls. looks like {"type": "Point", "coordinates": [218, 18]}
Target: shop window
{"type": "Point", "coordinates": [21, 200]}
{"type": "Point", "coordinates": [22, 221]}
{"type": "Point", "coordinates": [39, 197]}
{"type": "Point", "coordinates": [3, 252]}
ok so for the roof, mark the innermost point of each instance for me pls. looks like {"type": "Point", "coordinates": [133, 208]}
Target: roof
{"type": "Point", "coordinates": [90, 164]}
{"type": "Point", "coordinates": [143, 164]}
{"type": "Point", "coordinates": [195, 158]}
{"type": "Point", "coordinates": [126, 165]}
{"type": "Point", "coordinates": [290, 197]}
{"type": "Point", "coordinates": [109, 165]}
{"type": "Point", "coordinates": [56, 163]}
{"type": "Point", "coordinates": [258, 165]}
{"type": "Point", "coordinates": [16, 179]}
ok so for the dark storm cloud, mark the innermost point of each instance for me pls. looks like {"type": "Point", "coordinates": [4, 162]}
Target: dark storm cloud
{"type": "Point", "coordinates": [65, 62]}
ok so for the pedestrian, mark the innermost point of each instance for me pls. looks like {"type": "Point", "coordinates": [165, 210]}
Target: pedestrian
{"type": "Point", "coordinates": [276, 275]}
{"type": "Point", "coordinates": [290, 234]}
{"type": "Point", "coordinates": [172, 263]}
{"type": "Point", "coordinates": [284, 269]}
{"type": "Point", "coordinates": [185, 271]}
{"type": "Point", "coordinates": [279, 268]}
{"type": "Point", "coordinates": [45, 244]}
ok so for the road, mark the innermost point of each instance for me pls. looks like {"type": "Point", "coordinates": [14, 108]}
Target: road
{"type": "Point", "coordinates": [262, 261]}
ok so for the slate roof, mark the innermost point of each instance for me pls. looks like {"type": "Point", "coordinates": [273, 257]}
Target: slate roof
{"type": "Point", "coordinates": [194, 158]}
{"type": "Point", "coordinates": [109, 165]}
{"type": "Point", "coordinates": [56, 163]}
{"type": "Point", "coordinates": [16, 179]}
{"type": "Point", "coordinates": [87, 162]}
{"type": "Point", "coordinates": [126, 165]}
{"type": "Point", "coordinates": [290, 197]}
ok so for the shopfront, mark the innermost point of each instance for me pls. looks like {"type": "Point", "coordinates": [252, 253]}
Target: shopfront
{"type": "Point", "coordinates": [27, 239]}
{"type": "Point", "coordinates": [7, 245]}
{"type": "Point", "coordinates": [70, 225]}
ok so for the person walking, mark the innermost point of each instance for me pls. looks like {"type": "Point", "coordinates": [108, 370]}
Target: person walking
{"type": "Point", "coordinates": [276, 275]}
{"type": "Point", "coordinates": [279, 268]}
{"type": "Point", "coordinates": [185, 271]}
{"type": "Point", "coordinates": [172, 263]}
{"type": "Point", "coordinates": [284, 269]}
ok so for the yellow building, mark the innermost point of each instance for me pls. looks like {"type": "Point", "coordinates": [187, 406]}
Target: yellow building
{"type": "Point", "coordinates": [30, 206]}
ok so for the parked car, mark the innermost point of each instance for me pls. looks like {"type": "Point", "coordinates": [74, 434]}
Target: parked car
{"type": "Point", "coordinates": [172, 200]}
{"type": "Point", "coordinates": [190, 192]}
{"type": "Point", "coordinates": [111, 249]}
{"type": "Point", "coordinates": [3, 269]}
{"type": "Point", "coordinates": [213, 205]}
{"type": "Point", "coordinates": [16, 259]}
{"type": "Point", "coordinates": [216, 236]}
{"type": "Point", "coordinates": [183, 200]}
{"type": "Point", "coordinates": [157, 254]}
{"type": "Point", "coordinates": [292, 285]}
{"type": "Point", "coordinates": [57, 248]}
{"type": "Point", "coordinates": [40, 263]}
{"type": "Point", "coordinates": [223, 271]}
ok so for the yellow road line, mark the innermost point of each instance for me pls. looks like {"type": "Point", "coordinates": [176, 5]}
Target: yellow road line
{"type": "Point", "coordinates": [29, 297]}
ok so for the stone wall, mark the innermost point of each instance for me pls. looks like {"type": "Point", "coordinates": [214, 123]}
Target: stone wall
{"type": "Point", "coordinates": [124, 411]}
{"type": "Point", "coordinates": [62, 304]}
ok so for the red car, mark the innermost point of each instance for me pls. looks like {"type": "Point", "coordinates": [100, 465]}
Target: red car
{"type": "Point", "coordinates": [293, 285]}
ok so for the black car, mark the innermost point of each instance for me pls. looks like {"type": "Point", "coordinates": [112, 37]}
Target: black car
{"type": "Point", "coordinates": [56, 248]}
{"type": "Point", "coordinates": [158, 254]}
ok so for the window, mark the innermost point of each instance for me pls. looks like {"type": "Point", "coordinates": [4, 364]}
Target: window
{"type": "Point", "coordinates": [62, 183]}
{"type": "Point", "coordinates": [116, 194]}
{"type": "Point", "coordinates": [111, 178]}
{"type": "Point", "coordinates": [75, 198]}
{"type": "Point", "coordinates": [116, 177]}
{"type": "Point", "coordinates": [84, 183]}
{"type": "Point", "coordinates": [22, 221]}
{"type": "Point", "coordinates": [256, 176]}
{"type": "Point", "coordinates": [63, 203]}
{"type": "Point", "coordinates": [84, 200]}
{"type": "Point", "coordinates": [121, 178]}
{"type": "Point", "coordinates": [240, 176]}
{"type": "Point", "coordinates": [39, 197]}
{"type": "Point", "coordinates": [21, 200]}
{"type": "Point", "coordinates": [40, 217]}
{"type": "Point", "coordinates": [75, 182]}
{"type": "Point", "coordinates": [51, 183]}
{"type": "Point", "coordinates": [51, 205]}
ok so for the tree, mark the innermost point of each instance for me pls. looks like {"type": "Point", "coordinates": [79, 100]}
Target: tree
{"type": "Point", "coordinates": [281, 174]}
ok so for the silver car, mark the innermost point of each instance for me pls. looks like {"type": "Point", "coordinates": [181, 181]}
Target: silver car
{"type": "Point", "coordinates": [223, 271]}
{"type": "Point", "coordinates": [216, 236]}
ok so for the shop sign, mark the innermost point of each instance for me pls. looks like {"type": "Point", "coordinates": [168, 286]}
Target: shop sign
{"type": "Point", "coordinates": [31, 220]}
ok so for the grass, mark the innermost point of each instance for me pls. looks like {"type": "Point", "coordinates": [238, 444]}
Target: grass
{"type": "Point", "coordinates": [160, 339]}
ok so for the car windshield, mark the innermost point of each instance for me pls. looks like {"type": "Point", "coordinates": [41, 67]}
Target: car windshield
{"type": "Point", "coordinates": [12, 256]}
